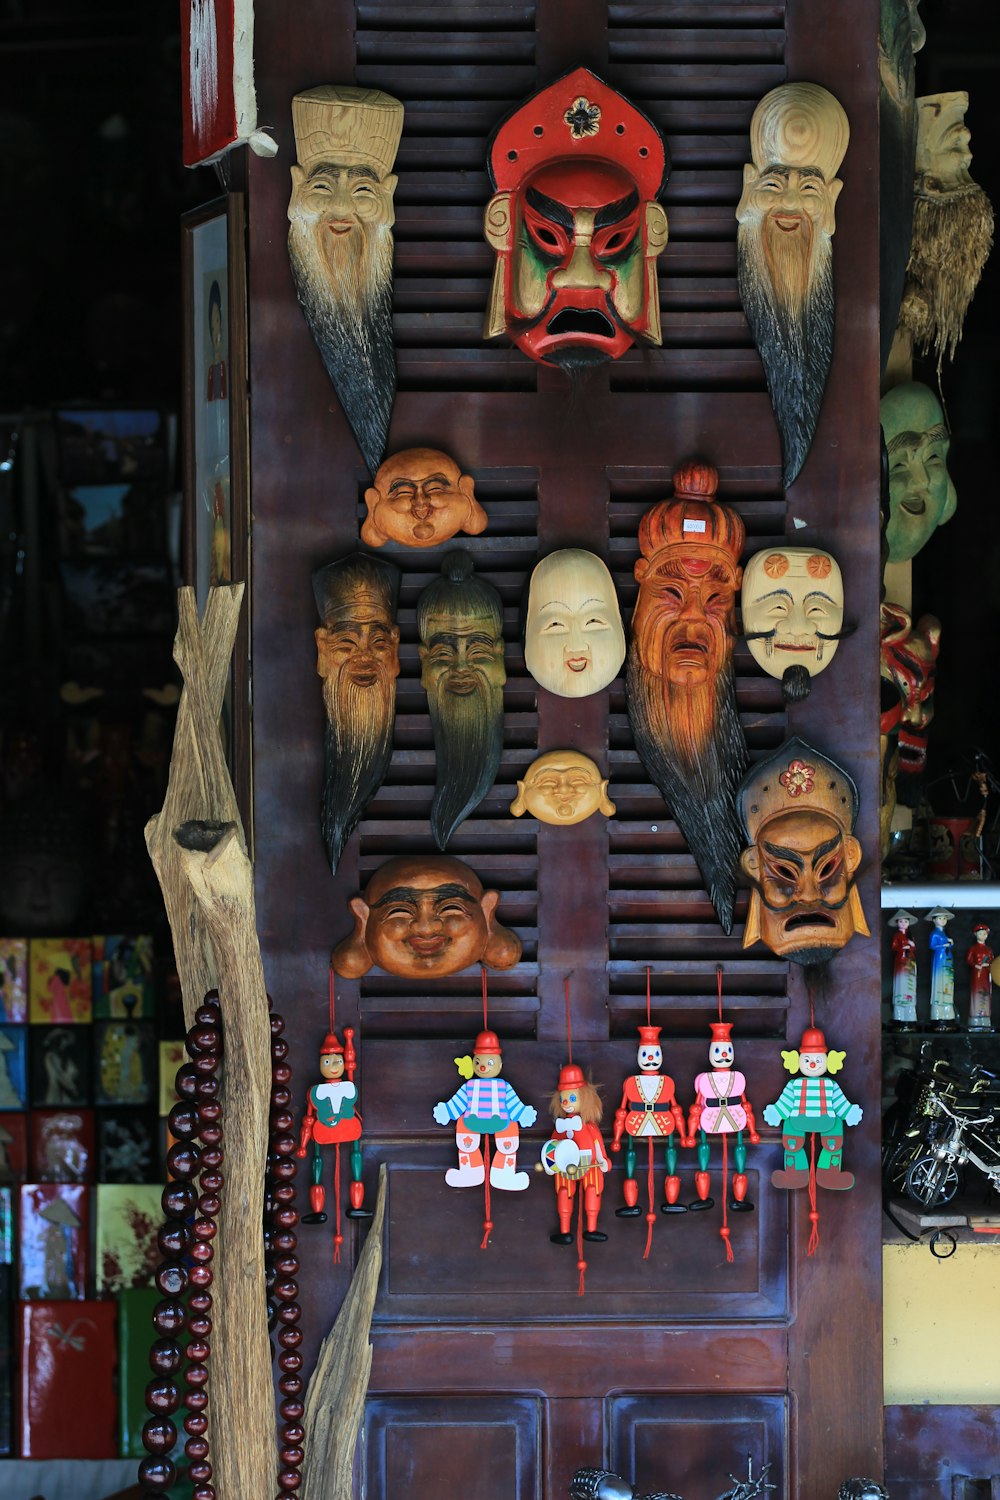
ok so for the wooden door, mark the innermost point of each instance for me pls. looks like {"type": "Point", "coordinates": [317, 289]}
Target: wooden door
{"type": "Point", "coordinates": [492, 1379]}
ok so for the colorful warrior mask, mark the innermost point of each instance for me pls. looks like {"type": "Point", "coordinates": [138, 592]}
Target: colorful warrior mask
{"type": "Point", "coordinates": [358, 659]}
{"type": "Point", "coordinates": [574, 639]}
{"type": "Point", "coordinates": [460, 621]}
{"type": "Point", "coordinates": [562, 787]}
{"type": "Point", "coordinates": [793, 613]}
{"type": "Point", "coordinates": [798, 137]}
{"type": "Point", "coordinates": [421, 498]}
{"type": "Point", "coordinates": [908, 658]}
{"type": "Point", "coordinates": [952, 228]}
{"type": "Point", "coordinates": [576, 224]}
{"type": "Point", "coordinates": [798, 811]}
{"type": "Point", "coordinates": [424, 918]}
{"type": "Point", "coordinates": [340, 246]}
{"type": "Point", "coordinates": [680, 694]}
{"type": "Point", "coordinates": [921, 494]}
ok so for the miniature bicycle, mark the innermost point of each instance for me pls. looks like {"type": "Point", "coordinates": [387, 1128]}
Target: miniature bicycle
{"type": "Point", "coordinates": [934, 1177]}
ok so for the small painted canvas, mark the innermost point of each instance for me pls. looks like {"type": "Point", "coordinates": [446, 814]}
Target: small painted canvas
{"type": "Point", "coordinates": [123, 977]}
{"type": "Point", "coordinates": [172, 1054]}
{"type": "Point", "coordinates": [14, 980]}
{"type": "Point", "coordinates": [66, 1388]}
{"type": "Point", "coordinates": [127, 1146]}
{"type": "Point", "coordinates": [13, 1067]}
{"type": "Point", "coordinates": [13, 1148]}
{"type": "Point", "coordinates": [125, 1057]}
{"type": "Point", "coordinates": [60, 981]}
{"type": "Point", "coordinates": [60, 1066]}
{"type": "Point", "coordinates": [128, 1219]}
{"type": "Point", "coordinates": [53, 1223]}
{"type": "Point", "coordinates": [135, 1334]}
{"type": "Point", "coordinates": [62, 1145]}
{"type": "Point", "coordinates": [6, 1226]}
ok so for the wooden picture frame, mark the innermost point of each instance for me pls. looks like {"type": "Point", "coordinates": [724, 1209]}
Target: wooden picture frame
{"type": "Point", "coordinates": [216, 515]}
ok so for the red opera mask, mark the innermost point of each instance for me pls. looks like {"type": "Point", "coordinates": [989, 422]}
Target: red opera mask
{"type": "Point", "coordinates": [909, 656]}
{"type": "Point", "coordinates": [576, 224]}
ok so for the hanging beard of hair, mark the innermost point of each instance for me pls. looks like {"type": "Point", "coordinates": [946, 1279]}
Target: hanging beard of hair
{"type": "Point", "coordinates": [788, 300]}
{"type": "Point", "coordinates": [347, 302]}
{"type": "Point", "coordinates": [952, 236]}
{"type": "Point", "coordinates": [357, 751]}
{"type": "Point", "coordinates": [468, 743]}
{"type": "Point", "coordinates": [692, 746]}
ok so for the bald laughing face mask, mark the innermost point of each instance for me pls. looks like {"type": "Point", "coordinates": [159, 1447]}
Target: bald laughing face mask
{"type": "Point", "coordinates": [421, 498]}
{"type": "Point", "coordinates": [574, 640]}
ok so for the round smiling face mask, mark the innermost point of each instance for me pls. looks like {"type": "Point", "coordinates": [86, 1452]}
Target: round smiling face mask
{"type": "Point", "coordinates": [574, 637]}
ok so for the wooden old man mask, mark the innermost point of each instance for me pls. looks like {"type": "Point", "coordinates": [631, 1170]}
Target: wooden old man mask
{"type": "Point", "coordinates": [358, 659]}
{"type": "Point", "coordinates": [679, 686]}
{"type": "Point", "coordinates": [798, 810]}
{"type": "Point", "coordinates": [420, 498]}
{"type": "Point", "coordinates": [576, 224]}
{"type": "Point", "coordinates": [340, 246]}
{"type": "Point", "coordinates": [921, 494]}
{"type": "Point", "coordinates": [574, 639]}
{"type": "Point", "coordinates": [460, 621]}
{"type": "Point", "coordinates": [792, 605]}
{"type": "Point", "coordinates": [798, 137]}
{"type": "Point", "coordinates": [424, 918]}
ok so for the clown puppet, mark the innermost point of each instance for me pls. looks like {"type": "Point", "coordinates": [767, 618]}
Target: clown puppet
{"type": "Point", "coordinates": [485, 1104]}
{"type": "Point", "coordinates": [331, 1119]}
{"type": "Point", "coordinates": [575, 1155]}
{"type": "Point", "coordinates": [649, 1111]}
{"type": "Point", "coordinates": [813, 1104]}
{"type": "Point", "coordinates": [722, 1108]}
{"type": "Point", "coordinates": [576, 224]}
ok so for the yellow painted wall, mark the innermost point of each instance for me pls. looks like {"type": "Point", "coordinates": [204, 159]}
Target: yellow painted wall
{"type": "Point", "coordinates": [941, 1325]}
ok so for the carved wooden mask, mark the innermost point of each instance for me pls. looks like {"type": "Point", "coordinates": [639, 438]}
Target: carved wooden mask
{"type": "Point", "coordinates": [340, 246]}
{"type": "Point", "coordinates": [576, 224]}
{"type": "Point", "coordinates": [574, 639]}
{"type": "Point", "coordinates": [680, 695]}
{"type": "Point", "coordinates": [425, 918]}
{"type": "Point", "coordinates": [562, 787]}
{"type": "Point", "coordinates": [921, 494]}
{"type": "Point", "coordinates": [460, 621]}
{"type": "Point", "coordinates": [798, 810]}
{"type": "Point", "coordinates": [421, 498]}
{"type": "Point", "coordinates": [798, 137]}
{"type": "Point", "coordinates": [792, 606]}
{"type": "Point", "coordinates": [358, 659]}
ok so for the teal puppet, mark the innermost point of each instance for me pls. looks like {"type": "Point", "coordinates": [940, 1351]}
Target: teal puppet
{"type": "Point", "coordinates": [813, 1104]}
{"type": "Point", "coordinates": [332, 1118]}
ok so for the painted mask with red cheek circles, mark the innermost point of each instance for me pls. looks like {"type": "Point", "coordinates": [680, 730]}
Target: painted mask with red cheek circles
{"type": "Point", "coordinates": [576, 224]}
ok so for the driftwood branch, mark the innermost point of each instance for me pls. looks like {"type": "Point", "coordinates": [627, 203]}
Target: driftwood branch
{"type": "Point", "coordinates": [335, 1398]}
{"type": "Point", "coordinates": [199, 853]}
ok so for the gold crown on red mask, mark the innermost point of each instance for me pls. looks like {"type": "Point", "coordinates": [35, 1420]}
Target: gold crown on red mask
{"type": "Point", "coordinates": [695, 514]}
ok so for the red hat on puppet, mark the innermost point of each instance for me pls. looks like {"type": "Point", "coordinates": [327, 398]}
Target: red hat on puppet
{"type": "Point", "coordinates": [578, 116]}
{"type": "Point", "coordinates": [722, 1031]}
{"type": "Point", "coordinates": [649, 1036]}
{"type": "Point", "coordinates": [486, 1042]}
{"type": "Point", "coordinates": [331, 1045]}
{"type": "Point", "coordinates": [570, 1076]}
{"type": "Point", "coordinates": [813, 1040]}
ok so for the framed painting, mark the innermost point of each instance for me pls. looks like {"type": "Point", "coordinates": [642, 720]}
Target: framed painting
{"type": "Point", "coordinates": [215, 443]}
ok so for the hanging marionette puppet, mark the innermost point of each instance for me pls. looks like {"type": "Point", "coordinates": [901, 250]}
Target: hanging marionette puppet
{"type": "Point", "coordinates": [722, 1108]}
{"type": "Point", "coordinates": [332, 1119]}
{"type": "Point", "coordinates": [813, 1105]}
{"type": "Point", "coordinates": [485, 1105]}
{"type": "Point", "coordinates": [575, 1155]}
{"type": "Point", "coordinates": [649, 1111]}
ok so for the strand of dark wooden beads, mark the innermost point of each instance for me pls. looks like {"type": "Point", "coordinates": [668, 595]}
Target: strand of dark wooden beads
{"type": "Point", "coordinates": [280, 1244]}
{"type": "Point", "coordinates": [197, 1113]}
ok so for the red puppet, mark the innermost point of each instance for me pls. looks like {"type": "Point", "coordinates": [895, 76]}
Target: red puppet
{"type": "Point", "coordinates": [331, 1118]}
{"type": "Point", "coordinates": [575, 1155]}
{"type": "Point", "coordinates": [649, 1111]}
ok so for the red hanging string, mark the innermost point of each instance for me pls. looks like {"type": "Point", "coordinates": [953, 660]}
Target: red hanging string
{"type": "Point", "coordinates": [812, 1001]}
{"type": "Point", "coordinates": [569, 1024]}
{"type": "Point", "coordinates": [650, 1213]}
{"type": "Point", "coordinates": [332, 998]}
{"type": "Point", "coordinates": [813, 1245]}
{"type": "Point", "coordinates": [581, 1264]}
{"type": "Point", "coordinates": [718, 981]}
{"type": "Point", "coordinates": [487, 1221]}
{"type": "Point", "coordinates": [338, 1238]}
{"type": "Point", "coordinates": [648, 1022]}
{"type": "Point", "coordinates": [724, 1231]}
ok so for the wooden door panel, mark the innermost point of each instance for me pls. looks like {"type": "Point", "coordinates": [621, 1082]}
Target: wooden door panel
{"type": "Point", "coordinates": [690, 1443]}
{"type": "Point", "coordinates": [475, 1448]}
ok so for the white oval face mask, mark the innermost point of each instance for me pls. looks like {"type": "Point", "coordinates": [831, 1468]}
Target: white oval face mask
{"type": "Point", "coordinates": [792, 602]}
{"type": "Point", "coordinates": [574, 638]}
